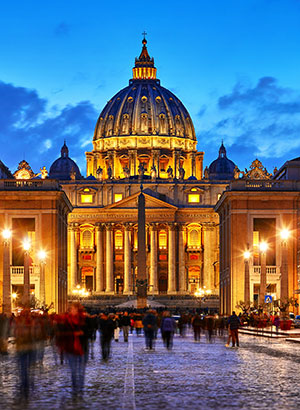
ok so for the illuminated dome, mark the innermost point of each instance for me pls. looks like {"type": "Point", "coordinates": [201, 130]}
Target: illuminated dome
{"type": "Point", "coordinates": [144, 124]}
{"type": "Point", "coordinates": [144, 107]}
{"type": "Point", "coordinates": [64, 168]}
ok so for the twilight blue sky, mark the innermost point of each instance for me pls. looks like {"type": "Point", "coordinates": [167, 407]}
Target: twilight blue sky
{"type": "Point", "coordinates": [234, 64]}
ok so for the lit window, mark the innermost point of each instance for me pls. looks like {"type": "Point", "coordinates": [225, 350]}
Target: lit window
{"type": "Point", "coordinates": [118, 197]}
{"type": "Point", "coordinates": [86, 198]}
{"type": "Point", "coordinates": [87, 239]}
{"type": "Point", "coordinates": [193, 198]}
{"type": "Point", "coordinates": [194, 189]}
{"type": "Point", "coordinates": [219, 196]}
{"type": "Point", "coordinates": [162, 239]}
{"type": "Point", "coordinates": [194, 238]}
{"type": "Point", "coordinates": [118, 240]}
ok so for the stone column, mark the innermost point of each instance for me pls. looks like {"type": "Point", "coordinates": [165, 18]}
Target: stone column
{"type": "Point", "coordinates": [171, 261]}
{"type": "Point", "coordinates": [26, 289]}
{"type": "Point", "coordinates": [109, 260]}
{"type": "Point", "coordinates": [263, 278]}
{"type": "Point", "coordinates": [73, 258]}
{"type": "Point", "coordinates": [127, 261]}
{"type": "Point", "coordinates": [181, 261]}
{"type": "Point", "coordinates": [208, 257]}
{"type": "Point", "coordinates": [284, 280]}
{"type": "Point", "coordinates": [153, 278]}
{"type": "Point", "coordinates": [6, 278]}
{"type": "Point", "coordinates": [99, 259]}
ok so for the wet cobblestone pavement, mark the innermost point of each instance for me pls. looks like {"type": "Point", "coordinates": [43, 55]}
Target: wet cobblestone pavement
{"type": "Point", "coordinates": [260, 374]}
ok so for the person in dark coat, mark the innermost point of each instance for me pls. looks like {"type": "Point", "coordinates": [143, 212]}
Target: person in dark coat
{"type": "Point", "coordinates": [234, 324]}
{"type": "Point", "coordinates": [197, 323]}
{"type": "Point", "coordinates": [125, 323]}
{"type": "Point", "coordinates": [149, 323]}
{"type": "Point", "coordinates": [168, 327]}
{"type": "Point", "coordinates": [106, 327]}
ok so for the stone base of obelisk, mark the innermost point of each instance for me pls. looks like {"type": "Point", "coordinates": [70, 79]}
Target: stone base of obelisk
{"type": "Point", "coordinates": [141, 303]}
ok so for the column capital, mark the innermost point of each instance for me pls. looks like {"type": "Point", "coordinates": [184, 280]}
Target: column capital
{"type": "Point", "coordinates": [128, 226]}
{"type": "Point", "coordinates": [172, 226]}
{"type": "Point", "coordinates": [153, 226]}
{"type": "Point", "coordinates": [99, 226]}
{"type": "Point", "coordinates": [72, 226]}
{"type": "Point", "coordinates": [109, 226]}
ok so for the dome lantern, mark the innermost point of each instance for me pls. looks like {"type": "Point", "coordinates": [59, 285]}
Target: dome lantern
{"type": "Point", "coordinates": [144, 65]}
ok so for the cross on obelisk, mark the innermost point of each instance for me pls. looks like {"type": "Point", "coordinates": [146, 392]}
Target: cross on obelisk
{"type": "Point", "coordinates": [144, 34]}
{"type": "Point", "coordinates": [141, 281]}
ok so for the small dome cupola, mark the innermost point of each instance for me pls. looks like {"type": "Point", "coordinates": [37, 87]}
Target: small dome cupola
{"type": "Point", "coordinates": [221, 168]}
{"type": "Point", "coordinates": [64, 168]}
{"type": "Point", "coordinates": [144, 65]}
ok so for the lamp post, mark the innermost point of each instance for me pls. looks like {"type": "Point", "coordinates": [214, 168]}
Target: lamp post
{"type": "Point", "coordinates": [42, 259]}
{"type": "Point", "coordinates": [263, 246]}
{"type": "Point", "coordinates": [201, 293]}
{"type": "Point", "coordinates": [284, 281]}
{"type": "Point", "coordinates": [6, 233]}
{"type": "Point", "coordinates": [26, 289]}
{"type": "Point", "coordinates": [247, 255]}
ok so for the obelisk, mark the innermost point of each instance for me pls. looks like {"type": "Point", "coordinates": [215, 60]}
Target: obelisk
{"type": "Point", "coordinates": [141, 281]}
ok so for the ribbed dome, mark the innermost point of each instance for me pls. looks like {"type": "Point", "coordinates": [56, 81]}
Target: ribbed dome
{"type": "Point", "coordinates": [63, 167]}
{"type": "Point", "coordinates": [221, 168]}
{"type": "Point", "coordinates": [144, 107]}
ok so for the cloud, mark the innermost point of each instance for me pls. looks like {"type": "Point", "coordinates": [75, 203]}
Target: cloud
{"type": "Point", "coordinates": [30, 128]}
{"type": "Point", "coordinates": [262, 121]}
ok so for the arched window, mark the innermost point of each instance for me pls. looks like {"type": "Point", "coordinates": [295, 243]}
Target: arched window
{"type": "Point", "coordinates": [162, 240]}
{"type": "Point", "coordinates": [87, 239]}
{"type": "Point", "coordinates": [118, 240]}
{"type": "Point", "coordinates": [194, 239]}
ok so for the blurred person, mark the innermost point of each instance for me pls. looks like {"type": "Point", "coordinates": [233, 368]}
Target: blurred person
{"type": "Point", "coordinates": [75, 345]}
{"type": "Point", "coordinates": [276, 322]}
{"type": "Point", "coordinates": [234, 324]}
{"type": "Point", "coordinates": [106, 327]}
{"type": "Point", "coordinates": [4, 333]}
{"type": "Point", "coordinates": [149, 323]}
{"type": "Point", "coordinates": [125, 323]}
{"type": "Point", "coordinates": [117, 328]}
{"type": "Point", "coordinates": [196, 323]}
{"type": "Point", "coordinates": [168, 327]}
{"type": "Point", "coordinates": [138, 324]}
{"type": "Point", "coordinates": [24, 339]}
{"type": "Point", "coordinates": [209, 325]}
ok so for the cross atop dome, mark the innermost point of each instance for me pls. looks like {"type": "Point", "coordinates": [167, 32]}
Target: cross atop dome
{"type": "Point", "coordinates": [144, 65]}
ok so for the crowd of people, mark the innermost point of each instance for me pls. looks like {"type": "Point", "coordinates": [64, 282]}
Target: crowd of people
{"type": "Point", "coordinates": [72, 335]}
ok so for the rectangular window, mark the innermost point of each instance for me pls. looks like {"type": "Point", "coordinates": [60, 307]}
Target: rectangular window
{"type": "Point", "coordinates": [193, 198]}
{"type": "Point", "coordinates": [118, 197]}
{"type": "Point", "coordinates": [264, 230]}
{"type": "Point", "coordinates": [86, 198]}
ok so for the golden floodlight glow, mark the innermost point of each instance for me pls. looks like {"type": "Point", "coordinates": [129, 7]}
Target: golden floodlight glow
{"type": "Point", "coordinates": [6, 233]}
{"type": "Point", "coordinates": [42, 255]}
{"type": "Point", "coordinates": [247, 255]}
{"type": "Point", "coordinates": [14, 295]}
{"type": "Point", "coordinates": [263, 246]}
{"type": "Point", "coordinates": [26, 245]}
{"type": "Point", "coordinates": [285, 233]}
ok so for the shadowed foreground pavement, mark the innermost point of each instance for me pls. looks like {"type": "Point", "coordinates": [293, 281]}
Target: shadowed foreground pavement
{"type": "Point", "coordinates": [260, 374]}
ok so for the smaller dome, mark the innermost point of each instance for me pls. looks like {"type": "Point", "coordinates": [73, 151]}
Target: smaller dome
{"type": "Point", "coordinates": [64, 167]}
{"type": "Point", "coordinates": [222, 167]}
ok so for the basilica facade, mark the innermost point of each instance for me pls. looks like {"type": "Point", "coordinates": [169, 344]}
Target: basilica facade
{"type": "Point", "coordinates": [199, 222]}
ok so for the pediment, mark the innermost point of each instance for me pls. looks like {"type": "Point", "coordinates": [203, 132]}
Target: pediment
{"type": "Point", "coordinates": [151, 202]}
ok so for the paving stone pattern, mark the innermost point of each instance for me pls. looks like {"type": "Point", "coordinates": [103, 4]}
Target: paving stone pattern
{"type": "Point", "coordinates": [261, 374]}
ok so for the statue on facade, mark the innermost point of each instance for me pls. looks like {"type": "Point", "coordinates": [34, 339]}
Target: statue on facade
{"type": "Point", "coordinates": [73, 174]}
{"type": "Point", "coordinates": [99, 173]}
{"type": "Point", "coordinates": [170, 172]}
{"type": "Point", "coordinates": [141, 170]}
{"type": "Point", "coordinates": [181, 173]}
{"type": "Point", "coordinates": [109, 172]}
{"type": "Point", "coordinates": [126, 171]}
{"type": "Point", "coordinates": [236, 172]}
{"type": "Point", "coordinates": [206, 173]}
{"type": "Point", "coordinates": [43, 173]}
{"type": "Point", "coordinates": [153, 172]}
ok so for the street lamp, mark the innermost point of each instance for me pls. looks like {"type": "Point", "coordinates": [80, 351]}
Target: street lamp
{"type": "Point", "coordinates": [247, 255]}
{"type": "Point", "coordinates": [6, 288]}
{"type": "Point", "coordinates": [284, 281]}
{"type": "Point", "coordinates": [263, 246]}
{"type": "Point", "coordinates": [26, 290]}
{"type": "Point", "coordinates": [42, 258]}
{"type": "Point", "coordinates": [200, 294]}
